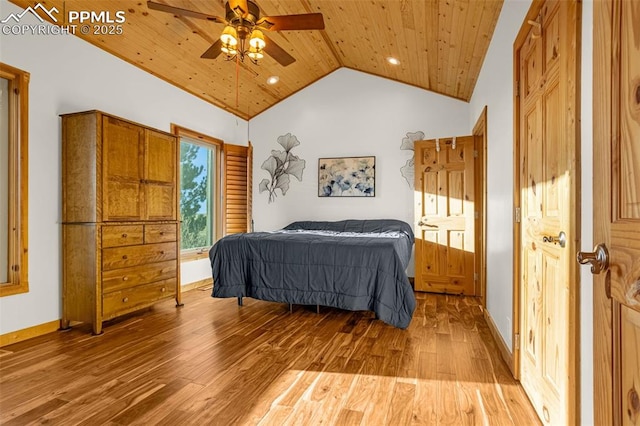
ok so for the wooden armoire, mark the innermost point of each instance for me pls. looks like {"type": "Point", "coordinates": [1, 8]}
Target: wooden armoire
{"type": "Point", "coordinates": [119, 217]}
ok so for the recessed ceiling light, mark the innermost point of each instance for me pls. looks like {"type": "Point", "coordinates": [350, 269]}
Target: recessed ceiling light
{"type": "Point", "coordinates": [273, 79]}
{"type": "Point", "coordinates": [393, 61]}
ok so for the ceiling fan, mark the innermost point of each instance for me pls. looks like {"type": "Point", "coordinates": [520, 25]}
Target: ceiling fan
{"type": "Point", "coordinates": [244, 24]}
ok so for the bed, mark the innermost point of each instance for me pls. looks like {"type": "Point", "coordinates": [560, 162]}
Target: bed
{"type": "Point", "coordinates": [355, 265]}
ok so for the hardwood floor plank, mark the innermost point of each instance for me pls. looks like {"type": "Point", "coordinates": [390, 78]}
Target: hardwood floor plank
{"type": "Point", "coordinates": [469, 405]}
{"type": "Point", "coordinates": [213, 362]}
{"type": "Point", "coordinates": [349, 418]}
{"type": "Point", "coordinates": [359, 396]}
{"type": "Point", "coordinates": [425, 403]}
{"type": "Point", "coordinates": [81, 406]}
{"type": "Point", "coordinates": [276, 416]}
{"type": "Point", "coordinates": [448, 408]}
{"type": "Point", "coordinates": [444, 354]}
{"type": "Point", "coordinates": [36, 412]}
{"type": "Point", "coordinates": [401, 407]}
{"type": "Point", "coordinates": [378, 408]}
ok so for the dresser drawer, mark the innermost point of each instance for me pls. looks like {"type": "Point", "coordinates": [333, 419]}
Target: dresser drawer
{"type": "Point", "coordinates": [118, 279]}
{"type": "Point", "coordinates": [130, 299]}
{"type": "Point", "coordinates": [122, 235]}
{"type": "Point", "coordinates": [123, 257]}
{"type": "Point", "coordinates": [160, 233]}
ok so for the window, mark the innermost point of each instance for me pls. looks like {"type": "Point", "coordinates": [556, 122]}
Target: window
{"type": "Point", "coordinates": [14, 108]}
{"type": "Point", "coordinates": [199, 192]}
{"type": "Point", "coordinates": [215, 191]}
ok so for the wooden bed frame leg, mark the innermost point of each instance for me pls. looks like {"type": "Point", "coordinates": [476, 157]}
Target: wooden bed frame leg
{"type": "Point", "coordinates": [317, 309]}
{"type": "Point", "coordinates": [290, 308]}
{"type": "Point", "coordinates": [239, 301]}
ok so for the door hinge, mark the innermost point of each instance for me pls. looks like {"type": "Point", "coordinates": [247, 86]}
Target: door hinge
{"type": "Point", "coordinates": [475, 153]}
{"type": "Point", "coordinates": [476, 277]}
{"type": "Point", "coordinates": [516, 341]}
{"type": "Point", "coordinates": [517, 215]}
{"type": "Point", "coordinates": [476, 215]}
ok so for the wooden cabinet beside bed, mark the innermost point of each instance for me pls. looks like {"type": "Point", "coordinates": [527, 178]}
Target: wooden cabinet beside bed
{"type": "Point", "coordinates": [120, 217]}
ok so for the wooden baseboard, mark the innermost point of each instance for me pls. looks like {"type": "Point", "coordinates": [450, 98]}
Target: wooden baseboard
{"type": "Point", "coordinates": [197, 284]}
{"type": "Point", "coordinates": [29, 333]}
{"type": "Point", "coordinates": [505, 352]}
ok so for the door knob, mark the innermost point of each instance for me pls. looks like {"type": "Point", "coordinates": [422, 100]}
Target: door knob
{"type": "Point", "coordinates": [423, 222]}
{"type": "Point", "coordinates": [599, 258]}
{"type": "Point", "coordinates": [560, 239]}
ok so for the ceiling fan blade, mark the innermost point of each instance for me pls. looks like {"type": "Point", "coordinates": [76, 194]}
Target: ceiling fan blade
{"type": "Point", "coordinates": [214, 51]}
{"type": "Point", "coordinates": [307, 21]}
{"type": "Point", "coordinates": [277, 52]}
{"type": "Point", "coordinates": [240, 7]}
{"type": "Point", "coordinates": [184, 12]}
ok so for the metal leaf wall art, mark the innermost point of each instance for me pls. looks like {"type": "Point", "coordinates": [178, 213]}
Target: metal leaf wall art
{"type": "Point", "coordinates": [407, 170]}
{"type": "Point", "coordinates": [281, 165]}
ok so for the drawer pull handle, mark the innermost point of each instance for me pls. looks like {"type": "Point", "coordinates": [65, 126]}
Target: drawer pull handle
{"type": "Point", "coordinates": [125, 299]}
{"type": "Point", "coordinates": [161, 233]}
{"type": "Point", "coordinates": [124, 235]}
{"type": "Point", "coordinates": [125, 278]}
{"type": "Point", "coordinates": [162, 252]}
{"type": "Point", "coordinates": [163, 289]}
{"type": "Point", "coordinates": [124, 257]}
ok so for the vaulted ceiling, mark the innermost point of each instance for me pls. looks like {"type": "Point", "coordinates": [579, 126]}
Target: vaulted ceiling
{"type": "Point", "coordinates": [440, 44]}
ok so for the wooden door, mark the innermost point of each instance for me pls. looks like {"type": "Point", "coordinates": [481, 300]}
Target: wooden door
{"type": "Point", "coordinates": [160, 182]}
{"type": "Point", "coordinates": [445, 215]}
{"type": "Point", "coordinates": [546, 61]}
{"type": "Point", "coordinates": [123, 170]}
{"type": "Point", "coordinates": [616, 196]}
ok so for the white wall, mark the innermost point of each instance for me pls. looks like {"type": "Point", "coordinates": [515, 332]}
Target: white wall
{"type": "Point", "coordinates": [68, 75]}
{"type": "Point", "coordinates": [495, 89]}
{"type": "Point", "coordinates": [349, 113]}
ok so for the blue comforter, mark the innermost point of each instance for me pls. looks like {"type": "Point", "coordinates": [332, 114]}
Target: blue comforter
{"type": "Point", "coordinates": [351, 264]}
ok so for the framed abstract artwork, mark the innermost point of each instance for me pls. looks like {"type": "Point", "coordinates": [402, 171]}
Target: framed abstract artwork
{"type": "Point", "coordinates": [347, 177]}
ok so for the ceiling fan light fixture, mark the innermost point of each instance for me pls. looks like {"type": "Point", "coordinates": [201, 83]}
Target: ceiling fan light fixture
{"type": "Point", "coordinates": [228, 50]}
{"type": "Point", "coordinates": [393, 61]}
{"type": "Point", "coordinates": [257, 40]}
{"type": "Point", "coordinates": [229, 36]}
{"type": "Point", "coordinates": [255, 53]}
{"type": "Point", "coordinates": [242, 35]}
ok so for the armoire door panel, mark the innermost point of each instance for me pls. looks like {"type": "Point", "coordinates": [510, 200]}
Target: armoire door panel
{"type": "Point", "coordinates": [160, 154]}
{"type": "Point", "coordinates": [122, 170]}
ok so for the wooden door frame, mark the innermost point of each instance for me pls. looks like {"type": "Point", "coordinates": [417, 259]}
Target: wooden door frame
{"type": "Point", "coordinates": [606, 88]}
{"type": "Point", "coordinates": [480, 176]}
{"type": "Point", "coordinates": [573, 31]}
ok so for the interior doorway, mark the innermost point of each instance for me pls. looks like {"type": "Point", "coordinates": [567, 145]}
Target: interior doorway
{"type": "Point", "coordinates": [546, 230]}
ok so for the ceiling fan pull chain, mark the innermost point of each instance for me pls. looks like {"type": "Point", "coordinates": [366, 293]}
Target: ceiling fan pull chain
{"type": "Point", "coordinates": [437, 144]}
{"type": "Point", "coordinates": [453, 143]}
{"type": "Point", "coordinates": [237, 81]}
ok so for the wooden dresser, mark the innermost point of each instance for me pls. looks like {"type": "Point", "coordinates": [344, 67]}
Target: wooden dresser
{"type": "Point", "coordinates": [119, 217]}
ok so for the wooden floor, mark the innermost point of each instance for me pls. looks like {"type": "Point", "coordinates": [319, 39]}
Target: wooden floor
{"type": "Point", "coordinates": [212, 362]}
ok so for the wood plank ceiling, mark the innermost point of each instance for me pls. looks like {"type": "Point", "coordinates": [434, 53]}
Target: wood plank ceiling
{"type": "Point", "coordinates": [440, 44]}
